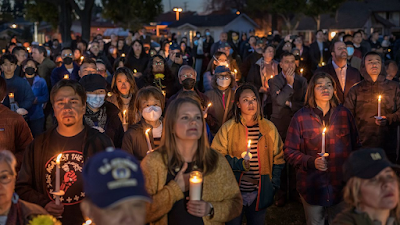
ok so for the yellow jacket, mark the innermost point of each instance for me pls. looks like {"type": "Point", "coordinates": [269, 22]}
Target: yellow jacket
{"type": "Point", "coordinates": [219, 188]}
{"type": "Point", "coordinates": [231, 141]}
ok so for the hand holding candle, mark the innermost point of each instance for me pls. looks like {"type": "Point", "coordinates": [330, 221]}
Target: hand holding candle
{"type": "Point", "coordinates": [148, 140]}
{"type": "Point", "coordinates": [247, 155]}
{"type": "Point", "coordinates": [11, 97]}
{"type": "Point", "coordinates": [323, 152]}
{"type": "Point", "coordinates": [196, 183]}
{"type": "Point", "coordinates": [66, 77]}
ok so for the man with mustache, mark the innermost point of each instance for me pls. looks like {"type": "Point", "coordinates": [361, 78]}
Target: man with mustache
{"type": "Point", "coordinates": [36, 181]}
{"type": "Point", "coordinates": [362, 101]}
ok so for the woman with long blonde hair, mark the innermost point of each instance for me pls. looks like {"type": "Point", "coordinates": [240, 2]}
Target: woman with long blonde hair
{"type": "Point", "coordinates": [184, 148]}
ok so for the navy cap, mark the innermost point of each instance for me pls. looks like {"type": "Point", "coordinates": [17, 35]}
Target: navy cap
{"type": "Point", "coordinates": [221, 69]}
{"type": "Point", "coordinates": [223, 45]}
{"type": "Point", "coordinates": [173, 46]}
{"type": "Point", "coordinates": [113, 176]}
{"type": "Point", "coordinates": [93, 82]}
{"type": "Point", "coordinates": [366, 163]}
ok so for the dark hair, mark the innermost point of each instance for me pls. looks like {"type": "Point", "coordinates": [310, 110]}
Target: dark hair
{"type": "Point", "coordinates": [88, 61]}
{"type": "Point", "coordinates": [347, 36]}
{"type": "Point", "coordinates": [236, 112]}
{"type": "Point", "coordinates": [116, 62]}
{"type": "Point", "coordinates": [67, 48]}
{"type": "Point", "coordinates": [55, 39]}
{"type": "Point", "coordinates": [388, 62]}
{"type": "Point", "coordinates": [17, 49]}
{"type": "Point", "coordinates": [310, 95]}
{"type": "Point", "coordinates": [144, 94]}
{"type": "Point", "coordinates": [363, 70]}
{"type": "Point", "coordinates": [269, 46]}
{"type": "Point", "coordinates": [148, 73]}
{"type": "Point", "coordinates": [41, 49]}
{"type": "Point", "coordinates": [83, 42]}
{"type": "Point", "coordinates": [357, 32]}
{"type": "Point", "coordinates": [10, 57]}
{"type": "Point", "coordinates": [131, 53]}
{"type": "Point", "coordinates": [3, 88]}
{"type": "Point", "coordinates": [211, 66]}
{"type": "Point", "coordinates": [286, 54]}
{"type": "Point", "coordinates": [332, 47]}
{"type": "Point", "coordinates": [23, 64]}
{"type": "Point", "coordinates": [75, 85]}
{"type": "Point", "coordinates": [316, 32]}
{"type": "Point", "coordinates": [214, 81]}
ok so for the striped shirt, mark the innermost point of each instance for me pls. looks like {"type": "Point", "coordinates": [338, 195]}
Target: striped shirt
{"type": "Point", "coordinates": [253, 173]}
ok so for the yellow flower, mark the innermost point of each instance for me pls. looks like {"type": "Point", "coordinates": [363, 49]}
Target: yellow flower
{"type": "Point", "coordinates": [159, 76]}
{"type": "Point", "coordinates": [44, 220]}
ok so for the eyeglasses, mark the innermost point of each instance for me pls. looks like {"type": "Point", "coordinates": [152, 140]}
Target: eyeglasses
{"type": "Point", "coordinates": [187, 75]}
{"type": "Point", "coordinates": [101, 71]}
{"type": "Point", "coordinates": [222, 77]}
{"type": "Point", "coordinates": [65, 55]}
{"type": "Point", "coordinates": [158, 63]}
{"type": "Point", "coordinates": [6, 178]}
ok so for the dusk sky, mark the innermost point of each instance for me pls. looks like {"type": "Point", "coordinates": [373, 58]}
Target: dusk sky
{"type": "Point", "coordinates": [192, 5]}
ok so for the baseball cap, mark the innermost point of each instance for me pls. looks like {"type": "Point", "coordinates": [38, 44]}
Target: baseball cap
{"type": "Point", "coordinates": [113, 176]}
{"type": "Point", "coordinates": [221, 69]}
{"type": "Point", "coordinates": [366, 163]}
{"type": "Point", "coordinates": [93, 82]}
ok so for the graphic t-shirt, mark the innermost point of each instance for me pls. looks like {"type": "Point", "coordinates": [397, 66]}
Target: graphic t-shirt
{"type": "Point", "coordinates": [71, 180]}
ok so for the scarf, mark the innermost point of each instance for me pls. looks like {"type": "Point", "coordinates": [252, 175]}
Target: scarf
{"type": "Point", "coordinates": [15, 216]}
{"type": "Point", "coordinates": [96, 119]}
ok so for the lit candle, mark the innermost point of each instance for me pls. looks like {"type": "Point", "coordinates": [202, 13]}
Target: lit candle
{"type": "Point", "coordinates": [11, 97]}
{"type": "Point", "coordinates": [123, 55]}
{"type": "Point", "coordinates": [323, 153]}
{"type": "Point", "coordinates": [196, 182]}
{"type": "Point", "coordinates": [208, 106]}
{"type": "Point", "coordinates": [163, 92]}
{"type": "Point", "coordinates": [3, 50]}
{"type": "Point", "coordinates": [124, 117]}
{"type": "Point", "coordinates": [134, 71]}
{"type": "Point", "coordinates": [148, 140]}
{"type": "Point", "coordinates": [301, 71]}
{"type": "Point", "coordinates": [109, 94]}
{"type": "Point", "coordinates": [379, 106]}
{"type": "Point", "coordinates": [235, 70]}
{"type": "Point", "coordinates": [247, 155]}
{"type": "Point", "coordinates": [66, 77]}
{"type": "Point", "coordinates": [28, 49]}
{"type": "Point", "coordinates": [323, 63]}
{"type": "Point", "coordinates": [82, 58]}
{"type": "Point", "coordinates": [58, 179]}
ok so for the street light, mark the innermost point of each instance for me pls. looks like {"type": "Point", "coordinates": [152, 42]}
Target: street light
{"type": "Point", "coordinates": [177, 10]}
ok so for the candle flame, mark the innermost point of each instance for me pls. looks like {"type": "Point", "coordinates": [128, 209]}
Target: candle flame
{"type": "Point", "coordinates": [88, 222]}
{"type": "Point", "coordinates": [301, 70]}
{"type": "Point", "coordinates": [324, 130]}
{"type": "Point", "coordinates": [235, 70]}
{"type": "Point", "coordinates": [380, 97]}
{"type": "Point", "coordinates": [109, 94]}
{"type": "Point", "coordinates": [66, 76]}
{"type": "Point", "coordinates": [249, 144]}
{"type": "Point", "coordinates": [147, 131]}
{"type": "Point", "coordinates": [82, 57]}
{"type": "Point", "coordinates": [272, 76]}
{"type": "Point", "coordinates": [134, 71]}
{"type": "Point", "coordinates": [163, 92]}
{"type": "Point", "coordinates": [58, 158]}
{"type": "Point", "coordinates": [124, 112]}
{"type": "Point", "coordinates": [123, 55]}
{"type": "Point", "coordinates": [209, 104]}
{"type": "Point", "coordinates": [11, 95]}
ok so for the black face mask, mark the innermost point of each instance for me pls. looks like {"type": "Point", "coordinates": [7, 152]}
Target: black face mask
{"type": "Point", "coordinates": [188, 83]}
{"type": "Point", "coordinates": [29, 70]}
{"type": "Point", "coordinates": [67, 60]}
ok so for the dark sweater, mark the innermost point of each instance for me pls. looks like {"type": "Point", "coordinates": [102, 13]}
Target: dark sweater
{"type": "Point", "coordinates": [23, 94]}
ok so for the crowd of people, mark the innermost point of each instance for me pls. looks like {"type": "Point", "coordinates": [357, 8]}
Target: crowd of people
{"type": "Point", "coordinates": [112, 132]}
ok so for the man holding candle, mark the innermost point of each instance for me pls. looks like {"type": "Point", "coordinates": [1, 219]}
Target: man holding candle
{"type": "Point", "coordinates": [20, 88]}
{"type": "Point", "coordinates": [69, 67]}
{"type": "Point", "coordinates": [75, 141]}
{"type": "Point", "coordinates": [363, 102]}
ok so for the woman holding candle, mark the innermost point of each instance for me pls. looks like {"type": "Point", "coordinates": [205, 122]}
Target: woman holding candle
{"type": "Point", "coordinates": [222, 96]}
{"type": "Point", "coordinates": [184, 148]}
{"type": "Point", "coordinates": [137, 58]}
{"type": "Point", "coordinates": [319, 177]}
{"type": "Point", "coordinates": [36, 117]}
{"type": "Point", "coordinates": [149, 105]}
{"type": "Point", "coordinates": [259, 176]}
{"type": "Point", "coordinates": [124, 90]}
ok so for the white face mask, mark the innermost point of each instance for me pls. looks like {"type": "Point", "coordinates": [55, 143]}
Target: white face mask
{"type": "Point", "coordinates": [152, 113]}
{"type": "Point", "coordinates": [95, 101]}
{"type": "Point", "coordinates": [223, 83]}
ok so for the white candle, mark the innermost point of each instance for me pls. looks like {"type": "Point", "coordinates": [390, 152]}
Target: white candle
{"type": "Point", "coordinates": [163, 92]}
{"type": "Point", "coordinates": [58, 179]}
{"type": "Point", "coordinates": [148, 140]}
{"type": "Point", "coordinates": [208, 106]}
{"type": "Point", "coordinates": [379, 105]}
{"type": "Point", "coordinates": [196, 182]}
{"type": "Point", "coordinates": [11, 97]}
{"type": "Point", "coordinates": [124, 117]}
{"type": "Point", "coordinates": [323, 142]}
{"type": "Point", "coordinates": [66, 76]}
{"type": "Point", "coordinates": [247, 155]}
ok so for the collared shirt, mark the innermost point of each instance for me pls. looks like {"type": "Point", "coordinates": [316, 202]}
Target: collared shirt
{"type": "Point", "coordinates": [341, 73]}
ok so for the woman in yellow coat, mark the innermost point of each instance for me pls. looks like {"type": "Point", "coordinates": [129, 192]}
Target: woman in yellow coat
{"type": "Point", "coordinates": [184, 148]}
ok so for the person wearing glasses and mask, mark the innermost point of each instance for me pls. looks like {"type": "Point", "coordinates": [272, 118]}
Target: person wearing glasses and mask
{"type": "Point", "coordinates": [68, 67]}
{"type": "Point", "coordinates": [100, 114]}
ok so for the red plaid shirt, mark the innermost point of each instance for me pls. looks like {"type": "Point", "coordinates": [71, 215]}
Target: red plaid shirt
{"type": "Point", "coordinates": [304, 141]}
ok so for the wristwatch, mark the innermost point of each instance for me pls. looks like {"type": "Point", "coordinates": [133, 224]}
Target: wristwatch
{"type": "Point", "coordinates": [211, 214]}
